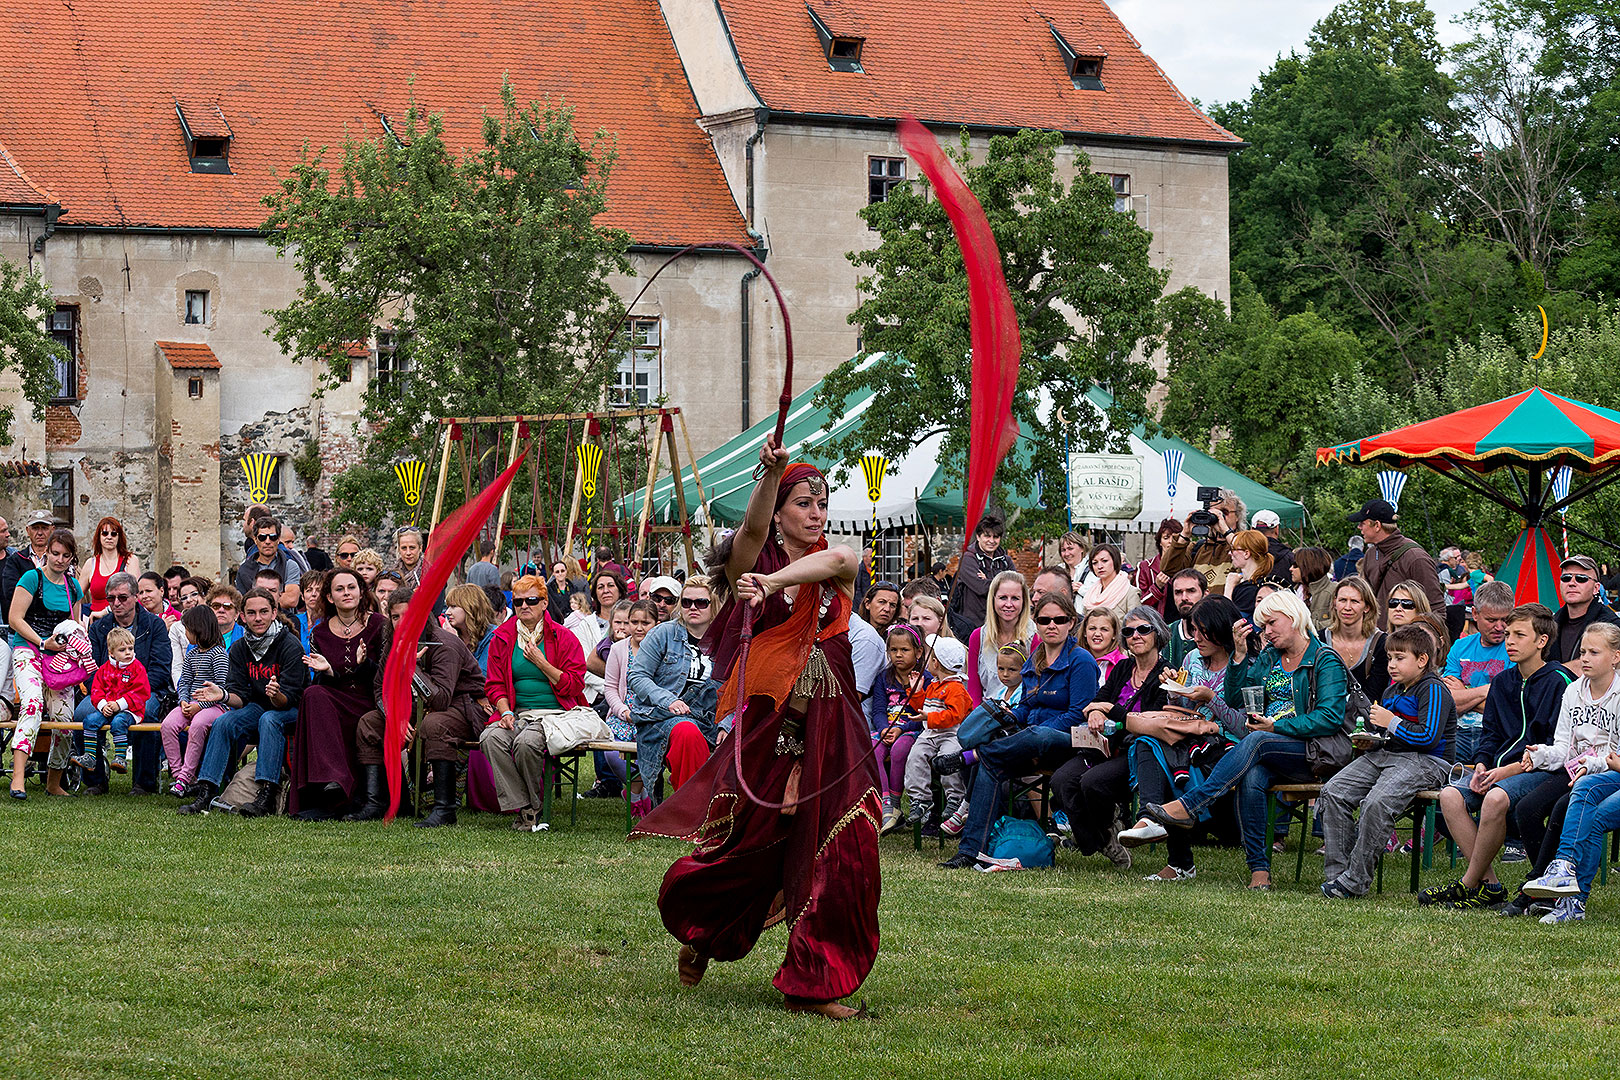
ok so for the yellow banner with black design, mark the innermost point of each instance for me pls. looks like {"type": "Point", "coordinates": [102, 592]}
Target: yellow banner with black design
{"type": "Point", "coordinates": [411, 474]}
{"type": "Point", "coordinates": [590, 463]}
{"type": "Point", "coordinates": [260, 470]}
{"type": "Point", "coordinates": [874, 466]}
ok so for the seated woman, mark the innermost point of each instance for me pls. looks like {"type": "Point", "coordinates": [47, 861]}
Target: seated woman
{"type": "Point", "coordinates": [881, 605]}
{"type": "Point", "coordinates": [1251, 564]}
{"type": "Point", "coordinates": [631, 621]}
{"type": "Point", "coordinates": [1060, 680]}
{"type": "Point", "coordinates": [535, 666]}
{"type": "Point", "coordinates": [674, 692]}
{"type": "Point", "coordinates": [608, 590]}
{"type": "Point", "coordinates": [1099, 633]}
{"type": "Point", "coordinates": [312, 584]}
{"type": "Point", "coordinates": [468, 609]}
{"type": "Point", "coordinates": [152, 591]}
{"type": "Point", "coordinates": [1302, 692]}
{"type": "Point", "coordinates": [927, 614]}
{"type": "Point", "coordinates": [1091, 787]}
{"type": "Point", "coordinates": [1311, 573]}
{"type": "Point", "coordinates": [344, 654]}
{"type": "Point", "coordinates": [1177, 746]}
{"type": "Point", "coordinates": [1353, 633]}
{"type": "Point", "coordinates": [1409, 604]}
{"type": "Point", "coordinates": [44, 597]}
{"type": "Point", "coordinates": [1006, 622]}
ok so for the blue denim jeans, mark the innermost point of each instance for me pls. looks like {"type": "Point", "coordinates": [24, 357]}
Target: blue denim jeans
{"type": "Point", "coordinates": [1594, 809]}
{"type": "Point", "coordinates": [1514, 787]}
{"type": "Point", "coordinates": [1016, 755]}
{"type": "Point", "coordinates": [1263, 758]}
{"type": "Point", "coordinates": [267, 726]}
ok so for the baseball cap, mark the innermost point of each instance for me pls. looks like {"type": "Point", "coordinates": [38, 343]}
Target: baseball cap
{"type": "Point", "coordinates": [1267, 519]}
{"type": "Point", "coordinates": [1585, 562]}
{"type": "Point", "coordinates": [1375, 510]}
{"type": "Point", "coordinates": [951, 654]}
{"type": "Point", "coordinates": [40, 517]}
{"type": "Point", "coordinates": [653, 584]}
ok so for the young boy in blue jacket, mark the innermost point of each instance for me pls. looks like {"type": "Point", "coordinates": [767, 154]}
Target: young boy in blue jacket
{"type": "Point", "coordinates": [1419, 721]}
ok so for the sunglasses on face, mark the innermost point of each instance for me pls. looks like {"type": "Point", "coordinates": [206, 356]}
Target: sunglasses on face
{"type": "Point", "coordinates": [124, 599]}
{"type": "Point", "coordinates": [699, 602]}
{"type": "Point", "coordinates": [262, 537]}
{"type": "Point", "coordinates": [663, 598]}
{"type": "Point", "coordinates": [1407, 605]}
{"type": "Point", "coordinates": [1138, 631]}
{"type": "Point", "coordinates": [1575, 579]}
{"type": "Point", "coordinates": [223, 607]}
{"type": "Point", "coordinates": [347, 554]}
{"type": "Point", "coordinates": [525, 601]}
{"type": "Point", "coordinates": [110, 532]}
{"type": "Point", "coordinates": [1052, 620]}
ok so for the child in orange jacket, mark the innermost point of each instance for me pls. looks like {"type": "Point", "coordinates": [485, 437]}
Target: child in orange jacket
{"type": "Point", "coordinates": [118, 692]}
{"type": "Point", "coordinates": [945, 705]}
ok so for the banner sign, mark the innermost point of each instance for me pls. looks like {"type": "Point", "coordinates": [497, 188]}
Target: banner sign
{"type": "Point", "coordinates": [1105, 487]}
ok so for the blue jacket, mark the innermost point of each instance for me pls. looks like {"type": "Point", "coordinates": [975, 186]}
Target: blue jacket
{"type": "Point", "coordinates": [152, 648]}
{"type": "Point", "coordinates": [1520, 712]}
{"type": "Point", "coordinates": [1057, 697]}
{"type": "Point", "coordinates": [1311, 719]}
{"type": "Point", "coordinates": [658, 674]}
{"type": "Point", "coordinates": [1426, 717]}
{"type": "Point", "coordinates": [877, 706]}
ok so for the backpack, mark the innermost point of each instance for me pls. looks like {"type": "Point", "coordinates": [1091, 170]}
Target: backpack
{"type": "Point", "coordinates": [1021, 839]}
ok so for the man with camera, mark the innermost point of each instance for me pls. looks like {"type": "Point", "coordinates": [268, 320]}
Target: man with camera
{"type": "Point", "coordinates": [1206, 538]}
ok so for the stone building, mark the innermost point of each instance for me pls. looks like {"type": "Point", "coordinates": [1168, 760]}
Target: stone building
{"type": "Point", "coordinates": [136, 142]}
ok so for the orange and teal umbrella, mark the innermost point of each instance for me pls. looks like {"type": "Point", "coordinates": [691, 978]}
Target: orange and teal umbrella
{"type": "Point", "coordinates": [1533, 431]}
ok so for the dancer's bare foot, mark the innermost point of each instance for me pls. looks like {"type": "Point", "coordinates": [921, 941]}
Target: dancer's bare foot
{"type": "Point", "coordinates": [690, 965]}
{"type": "Point", "coordinates": [832, 1010]}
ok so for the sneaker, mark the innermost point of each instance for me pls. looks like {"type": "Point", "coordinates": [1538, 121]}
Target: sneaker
{"type": "Point", "coordinates": [1144, 832]}
{"type": "Point", "coordinates": [601, 790]}
{"type": "Point", "coordinates": [1116, 852]}
{"type": "Point", "coordinates": [1512, 851]}
{"type": "Point", "coordinates": [118, 764]}
{"type": "Point", "coordinates": [953, 825]}
{"type": "Point", "coordinates": [1060, 821]}
{"type": "Point", "coordinates": [917, 813]}
{"type": "Point", "coordinates": [948, 764]}
{"type": "Point", "coordinates": [1488, 895]}
{"type": "Point", "coordinates": [891, 819]}
{"type": "Point", "coordinates": [1444, 894]}
{"type": "Point", "coordinates": [959, 862]}
{"type": "Point", "coordinates": [87, 762]}
{"type": "Point", "coordinates": [1519, 905]}
{"type": "Point", "coordinates": [1568, 909]}
{"type": "Point", "coordinates": [1181, 875]}
{"type": "Point", "coordinates": [178, 789]}
{"type": "Point", "coordinates": [1332, 890]}
{"type": "Point", "coordinates": [1559, 880]}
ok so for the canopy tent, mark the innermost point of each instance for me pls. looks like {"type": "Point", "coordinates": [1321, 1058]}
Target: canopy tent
{"type": "Point", "coordinates": [1534, 431]}
{"type": "Point", "coordinates": [916, 489]}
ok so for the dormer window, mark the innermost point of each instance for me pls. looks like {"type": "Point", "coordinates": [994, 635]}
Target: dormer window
{"type": "Point", "coordinates": [1085, 65]}
{"type": "Point", "coordinates": [843, 51]}
{"type": "Point", "coordinates": [208, 137]}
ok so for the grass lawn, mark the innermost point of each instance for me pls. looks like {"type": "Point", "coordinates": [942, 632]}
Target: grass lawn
{"type": "Point", "coordinates": [147, 945]}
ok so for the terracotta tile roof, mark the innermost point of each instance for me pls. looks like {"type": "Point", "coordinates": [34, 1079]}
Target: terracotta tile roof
{"type": "Point", "coordinates": [15, 187]}
{"type": "Point", "coordinates": [188, 355]}
{"type": "Point", "coordinates": [87, 103]}
{"type": "Point", "coordinates": [990, 62]}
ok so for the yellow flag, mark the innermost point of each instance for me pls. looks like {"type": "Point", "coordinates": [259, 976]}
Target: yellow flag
{"type": "Point", "coordinates": [874, 466]}
{"type": "Point", "coordinates": [260, 468]}
{"type": "Point", "coordinates": [590, 461]}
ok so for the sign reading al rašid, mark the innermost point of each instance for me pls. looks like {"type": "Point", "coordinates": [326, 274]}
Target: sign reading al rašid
{"type": "Point", "coordinates": [1107, 487]}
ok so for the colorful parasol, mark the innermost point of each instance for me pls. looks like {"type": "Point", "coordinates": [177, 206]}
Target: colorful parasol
{"type": "Point", "coordinates": [1535, 435]}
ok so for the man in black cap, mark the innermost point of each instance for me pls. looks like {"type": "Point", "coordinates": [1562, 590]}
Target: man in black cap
{"type": "Point", "coordinates": [1392, 558]}
{"type": "Point", "coordinates": [1578, 585]}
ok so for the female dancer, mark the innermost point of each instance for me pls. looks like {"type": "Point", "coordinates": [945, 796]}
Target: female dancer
{"type": "Point", "coordinates": [793, 837]}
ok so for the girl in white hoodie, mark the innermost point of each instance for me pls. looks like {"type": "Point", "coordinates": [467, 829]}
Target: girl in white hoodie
{"type": "Point", "coordinates": [1587, 743]}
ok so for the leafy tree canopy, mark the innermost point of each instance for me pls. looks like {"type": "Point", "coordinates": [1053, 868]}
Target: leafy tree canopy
{"type": "Point", "coordinates": [25, 346]}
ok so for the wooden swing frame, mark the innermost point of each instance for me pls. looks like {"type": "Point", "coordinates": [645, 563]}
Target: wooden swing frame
{"type": "Point", "coordinates": [517, 432]}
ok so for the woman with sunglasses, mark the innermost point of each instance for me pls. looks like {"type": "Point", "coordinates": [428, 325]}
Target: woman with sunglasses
{"type": "Point", "coordinates": [1060, 680]}
{"type": "Point", "coordinates": [671, 681]}
{"type": "Point", "coordinates": [1090, 787]}
{"type": "Point", "coordinates": [109, 555]}
{"type": "Point", "coordinates": [800, 843]}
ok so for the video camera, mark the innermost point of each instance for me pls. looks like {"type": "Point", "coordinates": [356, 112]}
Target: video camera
{"type": "Point", "coordinates": [1201, 522]}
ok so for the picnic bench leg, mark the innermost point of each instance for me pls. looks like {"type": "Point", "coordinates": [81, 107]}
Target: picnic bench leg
{"type": "Point", "coordinates": [1419, 846]}
{"type": "Point", "coordinates": [573, 804]}
{"type": "Point", "coordinates": [545, 788]}
{"type": "Point", "coordinates": [1304, 836]}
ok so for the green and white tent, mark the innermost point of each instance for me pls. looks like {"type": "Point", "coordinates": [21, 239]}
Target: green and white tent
{"type": "Point", "coordinates": [916, 489]}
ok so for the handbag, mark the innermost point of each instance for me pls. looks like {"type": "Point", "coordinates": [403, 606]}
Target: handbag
{"type": "Point", "coordinates": [566, 731]}
{"type": "Point", "coordinates": [986, 724]}
{"type": "Point", "coordinates": [1327, 754]}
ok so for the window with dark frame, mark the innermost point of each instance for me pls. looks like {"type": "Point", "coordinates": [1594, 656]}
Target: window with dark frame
{"type": "Point", "coordinates": [843, 51]}
{"type": "Point", "coordinates": [1121, 183]}
{"type": "Point", "coordinates": [392, 366]}
{"type": "Point", "coordinates": [883, 175]}
{"type": "Point", "coordinates": [64, 326]}
{"type": "Point", "coordinates": [639, 379]}
{"type": "Point", "coordinates": [196, 307]}
{"type": "Point", "coordinates": [62, 496]}
{"type": "Point", "coordinates": [1085, 68]}
{"type": "Point", "coordinates": [274, 488]}
{"type": "Point", "coordinates": [194, 387]}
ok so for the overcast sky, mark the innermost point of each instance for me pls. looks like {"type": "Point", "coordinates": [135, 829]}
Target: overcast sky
{"type": "Point", "coordinates": [1214, 50]}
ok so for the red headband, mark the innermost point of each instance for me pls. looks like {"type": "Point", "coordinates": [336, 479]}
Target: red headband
{"type": "Point", "coordinates": [797, 473]}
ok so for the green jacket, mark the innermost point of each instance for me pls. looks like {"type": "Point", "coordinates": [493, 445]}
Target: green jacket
{"type": "Point", "coordinates": [1311, 719]}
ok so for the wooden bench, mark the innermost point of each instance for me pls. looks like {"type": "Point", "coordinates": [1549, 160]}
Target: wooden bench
{"type": "Point", "coordinates": [74, 725]}
{"type": "Point", "coordinates": [1298, 799]}
{"type": "Point", "coordinates": [566, 766]}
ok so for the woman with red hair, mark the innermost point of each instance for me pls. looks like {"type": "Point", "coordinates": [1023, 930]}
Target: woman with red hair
{"type": "Point", "coordinates": [786, 820]}
{"type": "Point", "coordinates": [109, 555]}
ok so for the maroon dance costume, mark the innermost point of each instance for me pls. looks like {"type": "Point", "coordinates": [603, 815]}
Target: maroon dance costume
{"type": "Point", "coordinates": [822, 855]}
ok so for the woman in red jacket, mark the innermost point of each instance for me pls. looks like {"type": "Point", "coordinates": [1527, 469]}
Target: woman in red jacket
{"type": "Point", "coordinates": [536, 665]}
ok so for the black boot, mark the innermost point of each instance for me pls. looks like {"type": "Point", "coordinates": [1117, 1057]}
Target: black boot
{"type": "Point", "coordinates": [444, 796]}
{"type": "Point", "coordinates": [264, 803]}
{"type": "Point", "coordinates": [376, 795]}
{"type": "Point", "coordinates": [205, 793]}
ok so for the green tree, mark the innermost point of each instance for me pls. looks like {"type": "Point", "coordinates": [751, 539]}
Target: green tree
{"type": "Point", "coordinates": [1082, 285]}
{"type": "Point", "coordinates": [25, 347]}
{"type": "Point", "coordinates": [487, 267]}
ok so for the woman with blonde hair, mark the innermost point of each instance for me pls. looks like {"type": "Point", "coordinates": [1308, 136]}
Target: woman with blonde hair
{"type": "Point", "coordinates": [1408, 604]}
{"type": "Point", "coordinates": [470, 613]}
{"type": "Point", "coordinates": [1251, 561]}
{"type": "Point", "coordinates": [1353, 633]}
{"type": "Point", "coordinates": [1099, 635]}
{"type": "Point", "coordinates": [1006, 622]}
{"type": "Point", "coordinates": [927, 614]}
{"type": "Point", "coordinates": [1075, 553]}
